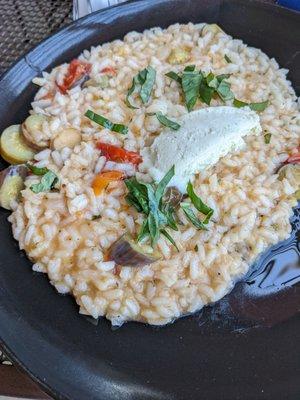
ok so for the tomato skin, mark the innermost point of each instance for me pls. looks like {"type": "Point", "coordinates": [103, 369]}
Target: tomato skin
{"type": "Point", "coordinates": [103, 179]}
{"type": "Point", "coordinates": [118, 154]}
{"type": "Point", "coordinates": [294, 159]}
{"type": "Point", "coordinates": [109, 71]}
{"type": "Point", "coordinates": [77, 69]}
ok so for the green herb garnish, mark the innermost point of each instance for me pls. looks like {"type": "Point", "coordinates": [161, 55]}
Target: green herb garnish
{"type": "Point", "coordinates": [151, 200]}
{"type": "Point", "coordinates": [106, 123]}
{"type": "Point", "coordinates": [227, 59]}
{"type": "Point", "coordinates": [167, 122]}
{"type": "Point", "coordinates": [37, 170]}
{"type": "Point", "coordinates": [253, 106]}
{"type": "Point", "coordinates": [144, 83]}
{"type": "Point", "coordinates": [47, 182]}
{"type": "Point", "coordinates": [267, 138]}
{"type": "Point", "coordinates": [198, 203]}
{"type": "Point", "coordinates": [195, 84]}
{"type": "Point", "coordinates": [190, 83]}
{"type": "Point", "coordinates": [147, 198]}
{"type": "Point", "coordinates": [192, 217]}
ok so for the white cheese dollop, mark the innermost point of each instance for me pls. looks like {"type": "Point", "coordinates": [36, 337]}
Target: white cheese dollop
{"type": "Point", "coordinates": [204, 137]}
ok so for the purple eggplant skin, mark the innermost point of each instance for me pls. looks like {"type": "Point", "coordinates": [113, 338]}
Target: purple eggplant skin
{"type": "Point", "coordinates": [126, 252]}
{"type": "Point", "coordinates": [13, 170]}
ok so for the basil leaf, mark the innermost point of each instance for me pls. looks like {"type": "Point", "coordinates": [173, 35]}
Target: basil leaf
{"type": "Point", "coordinates": [227, 59]}
{"type": "Point", "coordinates": [190, 68]}
{"type": "Point", "coordinates": [167, 122]}
{"type": "Point", "coordinates": [130, 92]}
{"type": "Point", "coordinates": [212, 81]}
{"type": "Point", "coordinates": [36, 170]}
{"type": "Point", "coordinates": [174, 76]}
{"type": "Point", "coordinates": [99, 119]}
{"type": "Point", "coordinates": [222, 77]}
{"type": "Point", "coordinates": [224, 91]}
{"type": "Point", "coordinates": [153, 228]}
{"type": "Point", "coordinates": [192, 217]}
{"type": "Point", "coordinates": [163, 183]}
{"type": "Point", "coordinates": [198, 203]}
{"type": "Point", "coordinates": [169, 237]}
{"type": "Point", "coordinates": [253, 106]}
{"type": "Point", "coordinates": [147, 82]}
{"type": "Point", "coordinates": [144, 231]}
{"type": "Point", "coordinates": [47, 183]}
{"type": "Point", "coordinates": [169, 213]}
{"type": "Point", "coordinates": [267, 138]}
{"type": "Point", "coordinates": [138, 192]}
{"type": "Point", "coordinates": [206, 93]}
{"type": "Point", "coordinates": [259, 106]}
{"type": "Point", "coordinates": [238, 103]}
{"type": "Point", "coordinates": [190, 86]}
{"type": "Point", "coordinates": [131, 200]}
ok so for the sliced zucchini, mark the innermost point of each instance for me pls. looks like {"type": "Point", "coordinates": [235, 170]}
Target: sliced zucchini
{"type": "Point", "coordinates": [13, 147]}
{"type": "Point", "coordinates": [32, 130]}
{"type": "Point", "coordinates": [125, 251]}
{"type": "Point", "coordinates": [11, 184]}
{"type": "Point", "coordinates": [68, 137]}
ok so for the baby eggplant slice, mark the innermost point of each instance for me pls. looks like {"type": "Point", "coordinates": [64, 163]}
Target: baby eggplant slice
{"type": "Point", "coordinates": [32, 130]}
{"type": "Point", "coordinates": [125, 251]}
{"type": "Point", "coordinates": [14, 149]}
{"type": "Point", "coordinates": [11, 184]}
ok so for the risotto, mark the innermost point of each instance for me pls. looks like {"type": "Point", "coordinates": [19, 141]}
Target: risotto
{"type": "Point", "coordinates": [91, 215]}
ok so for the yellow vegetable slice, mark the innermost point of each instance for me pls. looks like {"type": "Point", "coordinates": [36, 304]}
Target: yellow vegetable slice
{"type": "Point", "coordinates": [32, 130]}
{"type": "Point", "coordinates": [14, 149]}
{"type": "Point", "coordinates": [11, 184]}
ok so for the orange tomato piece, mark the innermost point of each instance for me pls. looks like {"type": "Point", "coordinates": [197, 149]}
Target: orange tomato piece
{"type": "Point", "coordinates": [118, 154]}
{"type": "Point", "coordinates": [102, 180]}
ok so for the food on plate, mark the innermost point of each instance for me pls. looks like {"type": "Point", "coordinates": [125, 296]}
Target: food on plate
{"type": "Point", "coordinates": [11, 184]}
{"type": "Point", "coordinates": [153, 171]}
{"type": "Point", "coordinates": [14, 149]}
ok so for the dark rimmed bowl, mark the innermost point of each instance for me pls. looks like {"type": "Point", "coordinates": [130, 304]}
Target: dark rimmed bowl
{"type": "Point", "coordinates": [242, 348]}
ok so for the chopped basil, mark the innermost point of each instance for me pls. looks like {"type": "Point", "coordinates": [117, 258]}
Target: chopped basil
{"type": "Point", "coordinates": [144, 81]}
{"type": "Point", "coordinates": [106, 123]}
{"type": "Point", "coordinates": [206, 93]}
{"type": "Point", "coordinates": [224, 91]}
{"type": "Point", "coordinates": [196, 247]}
{"type": "Point", "coordinates": [161, 187]}
{"type": "Point", "coordinates": [47, 182]}
{"type": "Point", "coordinates": [227, 59]}
{"type": "Point", "coordinates": [267, 138]}
{"type": "Point", "coordinates": [147, 79]}
{"type": "Point", "coordinates": [190, 85]}
{"type": "Point", "coordinates": [190, 68]}
{"type": "Point", "coordinates": [169, 237]}
{"type": "Point", "coordinates": [167, 122]}
{"type": "Point", "coordinates": [198, 203]}
{"type": "Point", "coordinates": [36, 170]}
{"type": "Point", "coordinates": [174, 76]}
{"type": "Point", "coordinates": [130, 92]}
{"type": "Point", "coordinates": [253, 106]}
{"type": "Point", "coordinates": [192, 217]}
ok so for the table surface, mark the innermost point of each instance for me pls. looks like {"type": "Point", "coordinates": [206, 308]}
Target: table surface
{"type": "Point", "coordinates": [24, 23]}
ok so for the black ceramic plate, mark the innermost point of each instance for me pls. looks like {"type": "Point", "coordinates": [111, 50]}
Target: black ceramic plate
{"type": "Point", "coordinates": [245, 347]}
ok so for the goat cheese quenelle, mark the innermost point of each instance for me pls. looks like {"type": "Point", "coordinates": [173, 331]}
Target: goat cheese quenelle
{"type": "Point", "coordinates": [152, 171]}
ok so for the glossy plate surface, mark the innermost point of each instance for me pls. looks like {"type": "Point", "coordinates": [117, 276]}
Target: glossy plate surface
{"type": "Point", "coordinates": [245, 347]}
